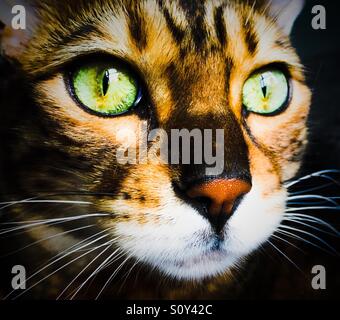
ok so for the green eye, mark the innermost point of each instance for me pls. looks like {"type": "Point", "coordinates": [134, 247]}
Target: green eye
{"type": "Point", "coordinates": [106, 88]}
{"type": "Point", "coordinates": [266, 92]}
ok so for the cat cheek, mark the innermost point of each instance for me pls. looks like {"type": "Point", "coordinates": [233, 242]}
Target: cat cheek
{"type": "Point", "coordinates": [125, 134]}
{"type": "Point", "coordinates": [263, 168]}
{"type": "Point", "coordinates": [65, 111]}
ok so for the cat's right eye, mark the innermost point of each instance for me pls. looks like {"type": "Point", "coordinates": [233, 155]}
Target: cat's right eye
{"type": "Point", "coordinates": [105, 88]}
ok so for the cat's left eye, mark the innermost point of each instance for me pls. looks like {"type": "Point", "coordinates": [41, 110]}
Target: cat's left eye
{"type": "Point", "coordinates": [266, 92]}
{"type": "Point", "coordinates": [105, 88]}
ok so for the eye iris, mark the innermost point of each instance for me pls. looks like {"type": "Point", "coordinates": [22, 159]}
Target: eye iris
{"type": "Point", "coordinates": [105, 89]}
{"type": "Point", "coordinates": [265, 92]}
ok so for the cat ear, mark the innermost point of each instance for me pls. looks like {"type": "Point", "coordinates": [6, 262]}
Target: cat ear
{"type": "Point", "coordinates": [285, 12]}
{"type": "Point", "coordinates": [17, 24]}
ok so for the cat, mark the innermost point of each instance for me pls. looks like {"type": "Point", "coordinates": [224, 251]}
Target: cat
{"type": "Point", "coordinates": [90, 227]}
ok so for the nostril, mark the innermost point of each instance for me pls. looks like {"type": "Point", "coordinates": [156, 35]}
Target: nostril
{"type": "Point", "coordinates": [220, 196]}
{"type": "Point", "coordinates": [205, 201]}
{"type": "Point", "coordinates": [236, 203]}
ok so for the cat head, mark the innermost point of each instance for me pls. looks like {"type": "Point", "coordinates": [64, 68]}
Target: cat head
{"type": "Point", "coordinates": [104, 76]}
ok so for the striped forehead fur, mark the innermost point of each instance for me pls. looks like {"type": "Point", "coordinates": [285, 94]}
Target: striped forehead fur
{"type": "Point", "coordinates": [131, 29]}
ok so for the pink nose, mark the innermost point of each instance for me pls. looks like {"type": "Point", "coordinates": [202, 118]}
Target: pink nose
{"type": "Point", "coordinates": [221, 193]}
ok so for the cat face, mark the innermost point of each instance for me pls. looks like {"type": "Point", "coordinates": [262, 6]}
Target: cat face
{"type": "Point", "coordinates": [181, 65]}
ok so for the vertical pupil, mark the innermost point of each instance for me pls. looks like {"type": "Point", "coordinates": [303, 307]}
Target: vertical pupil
{"type": "Point", "coordinates": [106, 81]}
{"type": "Point", "coordinates": [263, 86]}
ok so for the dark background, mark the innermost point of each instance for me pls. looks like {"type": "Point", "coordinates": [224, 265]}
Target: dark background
{"type": "Point", "coordinates": [320, 53]}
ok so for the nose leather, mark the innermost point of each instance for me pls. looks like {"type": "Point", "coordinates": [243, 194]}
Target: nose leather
{"type": "Point", "coordinates": [221, 193]}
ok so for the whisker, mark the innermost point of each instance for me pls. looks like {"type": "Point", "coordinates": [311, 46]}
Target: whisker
{"type": "Point", "coordinates": [298, 221]}
{"type": "Point", "coordinates": [49, 194]}
{"type": "Point", "coordinates": [102, 267]}
{"type": "Point", "coordinates": [34, 223]}
{"type": "Point", "coordinates": [331, 200]}
{"type": "Point", "coordinates": [60, 268]}
{"type": "Point", "coordinates": [11, 203]}
{"type": "Point", "coordinates": [305, 203]}
{"type": "Point", "coordinates": [48, 238]}
{"type": "Point", "coordinates": [110, 262]}
{"type": "Point", "coordinates": [14, 233]}
{"type": "Point", "coordinates": [56, 194]}
{"type": "Point", "coordinates": [43, 201]}
{"type": "Point", "coordinates": [311, 235]}
{"type": "Point", "coordinates": [312, 208]}
{"type": "Point", "coordinates": [83, 270]}
{"type": "Point", "coordinates": [313, 175]}
{"type": "Point", "coordinates": [312, 189]}
{"type": "Point", "coordinates": [78, 244]}
{"type": "Point", "coordinates": [112, 276]}
{"type": "Point", "coordinates": [93, 273]}
{"type": "Point", "coordinates": [60, 258]}
{"type": "Point", "coordinates": [313, 219]}
{"type": "Point", "coordinates": [288, 242]}
{"type": "Point", "coordinates": [294, 236]}
{"type": "Point", "coordinates": [330, 179]}
{"type": "Point", "coordinates": [280, 251]}
{"type": "Point", "coordinates": [56, 219]}
{"type": "Point", "coordinates": [127, 275]}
